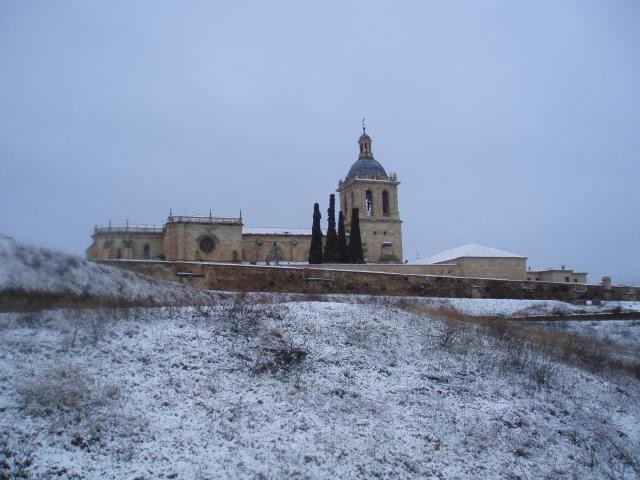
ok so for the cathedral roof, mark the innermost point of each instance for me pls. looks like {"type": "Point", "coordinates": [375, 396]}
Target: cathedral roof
{"type": "Point", "coordinates": [367, 166]}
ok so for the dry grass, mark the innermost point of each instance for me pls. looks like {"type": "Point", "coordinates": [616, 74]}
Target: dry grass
{"type": "Point", "coordinates": [63, 390]}
{"type": "Point", "coordinates": [16, 300]}
{"type": "Point", "coordinates": [594, 355]}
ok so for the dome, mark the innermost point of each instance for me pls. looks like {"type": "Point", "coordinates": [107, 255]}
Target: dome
{"type": "Point", "coordinates": [364, 136]}
{"type": "Point", "coordinates": [367, 166]}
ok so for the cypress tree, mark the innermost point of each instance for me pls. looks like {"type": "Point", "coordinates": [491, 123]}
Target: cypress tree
{"type": "Point", "coordinates": [331, 247]}
{"type": "Point", "coordinates": [354, 250]}
{"type": "Point", "coordinates": [342, 240]}
{"type": "Point", "coordinates": [315, 251]}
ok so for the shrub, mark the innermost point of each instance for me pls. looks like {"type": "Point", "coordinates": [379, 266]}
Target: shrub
{"type": "Point", "coordinates": [542, 374]}
{"type": "Point", "coordinates": [277, 354]}
{"type": "Point", "coordinates": [61, 389]}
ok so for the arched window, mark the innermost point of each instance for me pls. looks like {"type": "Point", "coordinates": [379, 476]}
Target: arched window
{"type": "Point", "coordinates": [147, 252]}
{"type": "Point", "coordinates": [368, 203]}
{"type": "Point", "coordinates": [385, 203]}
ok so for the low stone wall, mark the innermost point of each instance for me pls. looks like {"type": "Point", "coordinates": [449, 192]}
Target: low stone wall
{"type": "Point", "coordinates": [500, 268]}
{"type": "Point", "coordinates": [233, 277]}
{"type": "Point", "coordinates": [404, 268]}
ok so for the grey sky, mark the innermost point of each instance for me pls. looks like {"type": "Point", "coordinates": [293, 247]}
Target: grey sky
{"type": "Point", "coordinates": [513, 124]}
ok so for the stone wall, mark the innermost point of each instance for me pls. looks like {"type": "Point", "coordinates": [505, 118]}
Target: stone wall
{"type": "Point", "coordinates": [381, 240]}
{"type": "Point", "coordinates": [508, 268]}
{"type": "Point", "coordinates": [500, 268]}
{"type": "Point", "coordinates": [126, 245]}
{"type": "Point", "coordinates": [232, 277]}
{"type": "Point", "coordinates": [557, 276]}
{"type": "Point", "coordinates": [292, 248]}
{"type": "Point", "coordinates": [454, 269]}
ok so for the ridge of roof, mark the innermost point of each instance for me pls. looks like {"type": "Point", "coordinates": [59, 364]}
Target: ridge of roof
{"type": "Point", "coordinates": [469, 250]}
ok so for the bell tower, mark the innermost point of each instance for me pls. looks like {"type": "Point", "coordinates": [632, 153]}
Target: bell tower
{"type": "Point", "coordinates": [368, 188]}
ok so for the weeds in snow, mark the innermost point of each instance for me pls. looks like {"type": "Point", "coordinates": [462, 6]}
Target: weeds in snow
{"type": "Point", "coordinates": [64, 389]}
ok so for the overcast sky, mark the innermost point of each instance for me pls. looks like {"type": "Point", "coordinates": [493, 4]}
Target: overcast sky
{"type": "Point", "coordinates": [512, 124]}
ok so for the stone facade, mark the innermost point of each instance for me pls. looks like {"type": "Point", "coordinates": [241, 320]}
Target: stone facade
{"type": "Point", "coordinates": [128, 242]}
{"type": "Point", "coordinates": [203, 239]}
{"type": "Point", "coordinates": [200, 238]}
{"type": "Point", "coordinates": [510, 268]}
{"type": "Point", "coordinates": [275, 245]}
{"type": "Point", "coordinates": [557, 275]}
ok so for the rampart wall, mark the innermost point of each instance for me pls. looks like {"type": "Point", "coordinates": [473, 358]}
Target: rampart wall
{"type": "Point", "coordinates": [505, 268]}
{"type": "Point", "coordinates": [301, 279]}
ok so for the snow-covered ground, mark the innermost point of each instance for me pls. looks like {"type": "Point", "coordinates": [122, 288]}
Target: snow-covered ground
{"type": "Point", "coordinates": [482, 307]}
{"type": "Point", "coordinates": [29, 269]}
{"type": "Point", "coordinates": [297, 386]}
{"type": "Point", "coordinates": [524, 308]}
{"type": "Point", "coordinates": [264, 388]}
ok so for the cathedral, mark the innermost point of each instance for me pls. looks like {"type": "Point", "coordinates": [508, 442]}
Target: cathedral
{"type": "Point", "coordinates": [367, 186]}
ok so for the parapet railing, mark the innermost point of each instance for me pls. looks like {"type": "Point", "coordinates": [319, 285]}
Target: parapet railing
{"type": "Point", "coordinates": [370, 176]}
{"type": "Point", "coordinates": [203, 219]}
{"type": "Point", "coordinates": [130, 229]}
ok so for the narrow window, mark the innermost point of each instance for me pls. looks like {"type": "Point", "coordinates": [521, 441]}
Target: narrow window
{"type": "Point", "coordinates": [119, 253]}
{"type": "Point", "coordinates": [147, 252]}
{"type": "Point", "coordinates": [385, 203]}
{"type": "Point", "coordinates": [566, 279]}
{"type": "Point", "coordinates": [368, 203]}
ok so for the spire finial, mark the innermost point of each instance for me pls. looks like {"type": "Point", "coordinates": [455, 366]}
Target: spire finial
{"type": "Point", "coordinates": [364, 126]}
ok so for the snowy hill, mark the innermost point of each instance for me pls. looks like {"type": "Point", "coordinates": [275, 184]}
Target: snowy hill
{"type": "Point", "coordinates": [31, 271]}
{"type": "Point", "coordinates": [269, 388]}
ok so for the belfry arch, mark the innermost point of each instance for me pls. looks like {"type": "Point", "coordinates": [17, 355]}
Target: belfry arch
{"type": "Point", "coordinates": [385, 203]}
{"type": "Point", "coordinates": [368, 203]}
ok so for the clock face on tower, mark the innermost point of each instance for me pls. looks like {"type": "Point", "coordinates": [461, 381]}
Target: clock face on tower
{"type": "Point", "coordinates": [207, 244]}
